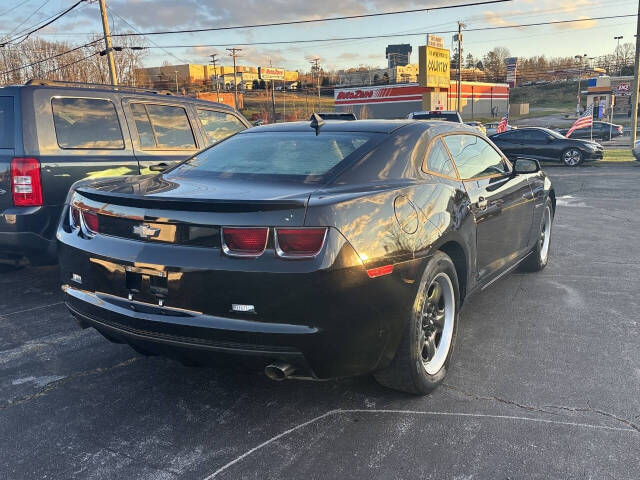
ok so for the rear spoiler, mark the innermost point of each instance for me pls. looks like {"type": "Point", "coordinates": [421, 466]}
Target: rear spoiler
{"type": "Point", "coordinates": [191, 204]}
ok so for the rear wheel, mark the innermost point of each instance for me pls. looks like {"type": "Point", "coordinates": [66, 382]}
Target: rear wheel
{"type": "Point", "coordinates": [424, 353]}
{"type": "Point", "coordinates": [539, 256]}
{"type": "Point", "coordinates": [572, 157]}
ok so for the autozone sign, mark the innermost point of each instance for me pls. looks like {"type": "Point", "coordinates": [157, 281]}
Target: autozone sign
{"type": "Point", "coordinates": [271, 73]}
{"type": "Point", "coordinates": [354, 94]}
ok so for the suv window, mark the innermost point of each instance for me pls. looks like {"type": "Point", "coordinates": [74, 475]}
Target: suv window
{"type": "Point", "coordinates": [473, 156]}
{"type": "Point", "coordinates": [86, 123]}
{"type": "Point", "coordinates": [439, 162]}
{"type": "Point", "coordinates": [163, 126]}
{"type": "Point", "coordinates": [219, 125]}
{"type": "Point", "coordinates": [6, 122]}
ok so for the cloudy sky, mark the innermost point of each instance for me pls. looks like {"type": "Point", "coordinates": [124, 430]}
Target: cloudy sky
{"type": "Point", "coordinates": [593, 37]}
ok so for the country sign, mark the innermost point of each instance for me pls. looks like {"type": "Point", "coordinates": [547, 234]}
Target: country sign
{"type": "Point", "coordinates": [434, 67]}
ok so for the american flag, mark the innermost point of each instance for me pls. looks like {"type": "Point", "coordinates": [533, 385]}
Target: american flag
{"type": "Point", "coordinates": [585, 120]}
{"type": "Point", "coordinates": [504, 122]}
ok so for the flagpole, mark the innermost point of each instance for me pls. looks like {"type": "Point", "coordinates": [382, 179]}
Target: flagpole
{"type": "Point", "coordinates": [592, 125]}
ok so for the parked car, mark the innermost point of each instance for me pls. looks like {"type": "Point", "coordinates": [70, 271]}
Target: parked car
{"type": "Point", "coordinates": [446, 115]}
{"type": "Point", "coordinates": [492, 128]}
{"type": "Point", "coordinates": [601, 131]}
{"type": "Point", "coordinates": [56, 133]}
{"type": "Point", "coordinates": [636, 150]}
{"type": "Point", "coordinates": [337, 115]}
{"type": "Point", "coordinates": [330, 251]}
{"type": "Point", "coordinates": [546, 144]}
{"type": "Point", "coordinates": [478, 126]}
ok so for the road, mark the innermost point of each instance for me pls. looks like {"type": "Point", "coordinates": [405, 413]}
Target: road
{"type": "Point", "coordinates": [545, 382]}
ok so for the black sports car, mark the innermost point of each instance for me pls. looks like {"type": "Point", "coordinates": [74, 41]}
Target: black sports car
{"type": "Point", "coordinates": [322, 251]}
{"type": "Point", "coordinates": [545, 144]}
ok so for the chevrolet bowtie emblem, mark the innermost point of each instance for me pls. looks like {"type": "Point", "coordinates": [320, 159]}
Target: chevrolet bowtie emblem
{"type": "Point", "coordinates": [145, 231]}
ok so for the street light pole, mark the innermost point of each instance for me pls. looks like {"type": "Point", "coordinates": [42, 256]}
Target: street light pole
{"type": "Point", "coordinates": [176, 72]}
{"type": "Point", "coordinates": [618, 53]}
{"type": "Point", "coordinates": [581, 58]}
{"type": "Point", "coordinates": [460, 26]}
{"type": "Point", "coordinates": [634, 97]}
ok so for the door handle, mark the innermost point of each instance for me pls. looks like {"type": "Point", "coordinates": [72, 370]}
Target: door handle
{"type": "Point", "coordinates": [482, 203]}
{"type": "Point", "coordinates": [158, 167]}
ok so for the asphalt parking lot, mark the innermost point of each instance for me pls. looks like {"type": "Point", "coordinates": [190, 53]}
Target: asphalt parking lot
{"type": "Point", "coordinates": [545, 384]}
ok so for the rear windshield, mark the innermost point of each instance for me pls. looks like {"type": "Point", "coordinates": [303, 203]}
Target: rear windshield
{"type": "Point", "coordinates": [6, 122]}
{"type": "Point", "coordinates": [449, 117]}
{"type": "Point", "coordinates": [299, 155]}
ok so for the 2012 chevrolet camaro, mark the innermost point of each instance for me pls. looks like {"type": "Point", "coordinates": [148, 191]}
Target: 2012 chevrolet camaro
{"type": "Point", "coordinates": [311, 250]}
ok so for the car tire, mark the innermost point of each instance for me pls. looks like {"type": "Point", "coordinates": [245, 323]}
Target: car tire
{"type": "Point", "coordinates": [539, 255]}
{"type": "Point", "coordinates": [571, 157]}
{"type": "Point", "coordinates": [424, 354]}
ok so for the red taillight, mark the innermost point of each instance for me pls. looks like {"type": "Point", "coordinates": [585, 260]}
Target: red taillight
{"type": "Point", "coordinates": [244, 241]}
{"type": "Point", "coordinates": [25, 182]}
{"type": "Point", "coordinates": [300, 242]}
{"type": "Point", "coordinates": [380, 271]}
{"type": "Point", "coordinates": [90, 221]}
{"type": "Point", "coordinates": [74, 217]}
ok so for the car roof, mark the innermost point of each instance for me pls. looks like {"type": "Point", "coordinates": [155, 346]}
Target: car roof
{"type": "Point", "coordinates": [372, 126]}
{"type": "Point", "coordinates": [367, 126]}
{"type": "Point", "coordinates": [424, 112]}
{"type": "Point", "coordinates": [124, 90]}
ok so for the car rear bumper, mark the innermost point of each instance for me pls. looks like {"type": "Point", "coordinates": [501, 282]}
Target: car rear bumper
{"type": "Point", "coordinates": [329, 322]}
{"type": "Point", "coordinates": [29, 233]}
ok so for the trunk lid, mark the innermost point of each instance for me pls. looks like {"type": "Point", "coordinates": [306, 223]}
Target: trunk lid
{"type": "Point", "coordinates": [191, 211]}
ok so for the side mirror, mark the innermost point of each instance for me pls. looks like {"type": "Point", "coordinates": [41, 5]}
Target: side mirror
{"type": "Point", "coordinates": [526, 165]}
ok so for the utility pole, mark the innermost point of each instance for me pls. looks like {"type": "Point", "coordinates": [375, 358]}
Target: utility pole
{"type": "Point", "coordinates": [215, 74]}
{"type": "Point", "coordinates": [176, 72]}
{"type": "Point", "coordinates": [107, 43]}
{"type": "Point", "coordinates": [634, 97]}
{"type": "Point", "coordinates": [234, 54]}
{"type": "Point", "coordinates": [316, 68]}
{"type": "Point", "coordinates": [460, 26]}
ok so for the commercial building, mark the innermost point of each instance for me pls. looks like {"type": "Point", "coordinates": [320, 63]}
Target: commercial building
{"type": "Point", "coordinates": [398, 55]}
{"type": "Point", "coordinates": [366, 76]}
{"type": "Point", "coordinates": [478, 99]}
{"type": "Point", "coordinates": [603, 91]}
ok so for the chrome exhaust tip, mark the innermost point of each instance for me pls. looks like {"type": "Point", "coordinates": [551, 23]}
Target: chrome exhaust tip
{"type": "Point", "coordinates": [279, 371]}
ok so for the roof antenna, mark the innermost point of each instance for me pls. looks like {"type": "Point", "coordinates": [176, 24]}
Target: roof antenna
{"type": "Point", "coordinates": [316, 122]}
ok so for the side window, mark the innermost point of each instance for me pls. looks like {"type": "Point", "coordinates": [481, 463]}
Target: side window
{"type": "Point", "coordinates": [6, 122]}
{"type": "Point", "coordinates": [86, 123]}
{"type": "Point", "coordinates": [163, 126]}
{"type": "Point", "coordinates": [473, 156]}
{"type": "Point", "coordinates": [439, 162]}
{"type": "Point", "coordinates": [143, 125]}
{"type": "Point", "coordinates": [219, 125]}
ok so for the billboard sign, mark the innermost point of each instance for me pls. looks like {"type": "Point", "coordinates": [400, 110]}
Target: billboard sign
{"type": "Point", "coordinates": [512, 70]}
{"type": "Point", "coordinates": [623, 88]}
{"type": "Point", "coordinates": [434, 67]}
{"type": "Point", "coordinates": [271, 73]}
{"type": "Point", "coordinates": [435, 41]}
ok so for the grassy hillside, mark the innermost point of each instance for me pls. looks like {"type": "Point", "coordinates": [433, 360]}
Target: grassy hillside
{"type": "Point", "coordinates": [553, 95]}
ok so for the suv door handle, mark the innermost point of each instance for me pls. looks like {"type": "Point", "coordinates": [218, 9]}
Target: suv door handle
{"type": "Point", "coordinates": [482, 203]}
{"type": "Point", "coordinates": [158, 167]}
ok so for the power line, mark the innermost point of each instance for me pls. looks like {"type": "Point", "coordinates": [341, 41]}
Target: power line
{"type": "Point", "coordinates": [369, 37]}
{"type": "Point", "coordinates": [137, 31]}
{"type": "Point", "coordinates": [316, 20]}
{"type": "Point", "coordinates": [71, 63]}
{"type": "Point", "coordinates": [60, 15]}
{"type": "Point", "coordinates": [6, 12]}
{"type": "Point", "coordinates": [27, 19]}
{"type": "Point", "coordinates": [22, 67]}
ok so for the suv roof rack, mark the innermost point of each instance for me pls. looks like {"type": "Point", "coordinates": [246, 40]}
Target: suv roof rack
{"type": "Point", "coordinates": [120, 88]}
